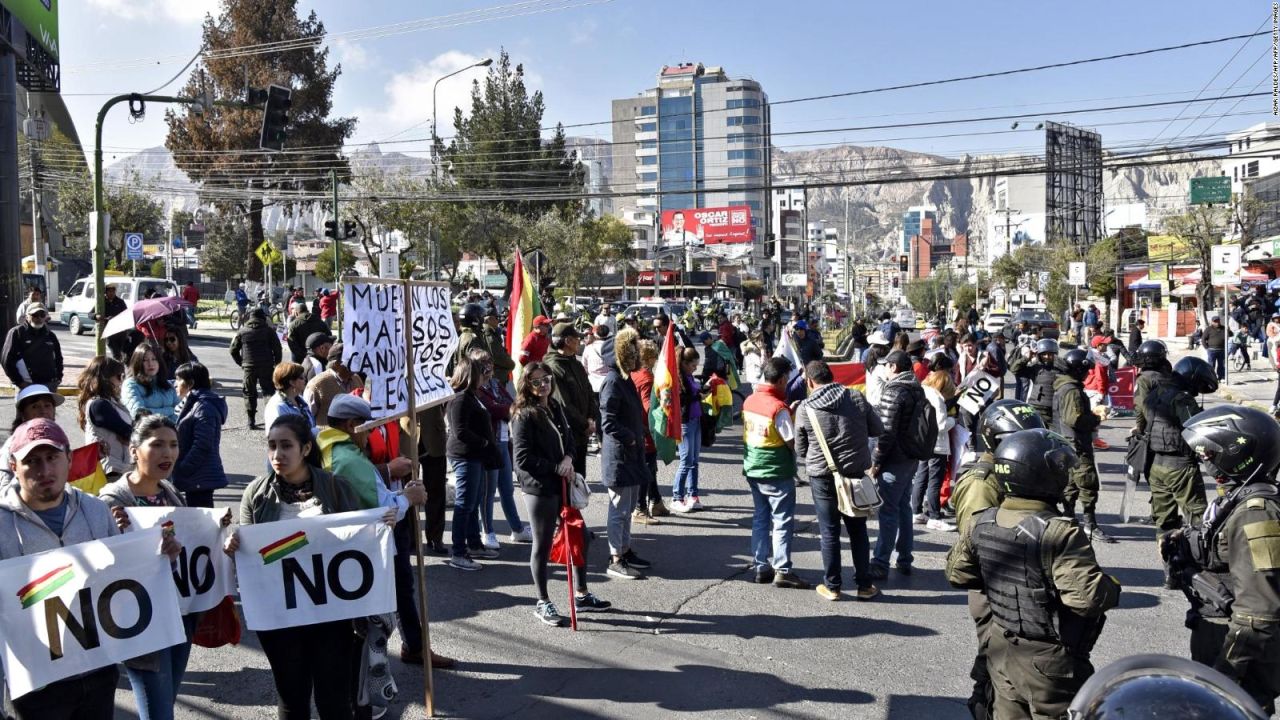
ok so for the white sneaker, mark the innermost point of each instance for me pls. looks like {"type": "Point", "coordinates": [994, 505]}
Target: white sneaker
{"type": "Point", "coordinates": [695, 504]}
{"type": "Point", "coordinates": [491, 541]}
{"type": "Point", "coordinates": [940, 526]}
{"type": "Point", "coordinates": [919, 519]}
{"type": "Point", "coordinates": [679, 506]}
{"type": "Point", "coordinates": [523, 535]}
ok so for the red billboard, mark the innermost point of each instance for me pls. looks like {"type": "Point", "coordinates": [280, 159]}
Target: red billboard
{"type": "Point", "coordinates": [707, 226]}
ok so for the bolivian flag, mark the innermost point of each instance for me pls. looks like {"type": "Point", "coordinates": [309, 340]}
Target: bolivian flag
{"type": "Point", "coordinates": [45, 585]}
{"type": "Point", "coordinates": [664, 403]}
{"type": "Point", "coordinates": [852, 375]}
{"type": "Point", "coordinates": [282, 547]}
{"type": "Point", "coordinates": [524, 307]}
{"type": "Point", "coordinates": [85, 473]}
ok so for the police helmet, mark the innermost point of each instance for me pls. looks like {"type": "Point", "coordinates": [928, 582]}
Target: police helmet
{"type": "Point", "coordinates": [1034, 464]}
{"type": "Point", "coordinates": [472, 315]}
{"type": "Point", "coordinates": [1160, 686]}
{"type": "Point", "coordinates": [1150, 353]}
{"type": "Point", "coordinates": [1077, 363]}
{"type": "Point", "coordinates": [1003, 418]}
{"type": "Point", "coordinates": [1046, 345]}
{"type": "Point", "coordinates": [1234, 442]}
{"type": "Point", "coordinates": [1197, 375]}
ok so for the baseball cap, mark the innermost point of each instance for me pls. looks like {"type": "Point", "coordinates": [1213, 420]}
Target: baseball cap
{"type": "Point", "coordinates": [37, 390]}
{"type": "Point", "coordinates": [801, 325]}
{"type": "Point", "coordinates": [34, 308]}
{"type": "Point", "coordinates": [316, 339]}
{"type": "Point", "coordinates": [541, 320]}
{"type": "Point", "coordinates": [704, 336]}
{"type": "Point", "coordinates": [335, 351]}
{"type": "Point", "coordinates": [350, 407]}
{"type": "Point", "coordinates": [34, 433]}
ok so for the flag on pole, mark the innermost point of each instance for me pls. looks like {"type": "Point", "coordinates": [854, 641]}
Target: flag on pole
{"type": "Point", "coordinates": [85, 472]}
{"type": "Point", "coordinates": [664, 403]}
{"type": "Point", "coordinates": [852, 375]}
{"type": "Point", "coordinates": [524, 307]}
{"type": "Point", "coordinates": [787, 349]}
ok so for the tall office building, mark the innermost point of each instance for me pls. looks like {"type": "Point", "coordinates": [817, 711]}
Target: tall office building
{"type": "Point", "coordinates": [700, 139]}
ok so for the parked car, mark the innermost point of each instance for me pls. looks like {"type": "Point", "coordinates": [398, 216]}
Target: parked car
{"type": "Point", "coordinates": [905, 317]}
{"type": "Point", "coordinates": [995, 321]}
{"type": "Point", "coordinates": [1038, 318]}
{"type": "Point", "coordinates": [80, 302]}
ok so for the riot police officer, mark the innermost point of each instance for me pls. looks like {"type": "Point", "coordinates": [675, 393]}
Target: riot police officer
{"type": "Point", "coordinates": [471, 334]}
{"type": "Point", "coordinates": [1177, 488]}
{"type": "Point", "coordinates": [1075, 420]}
{"type": "Point", "coordinates": [1039, 368]}
{"type": "Point", "coordinates": [1039, 574]}
{"type": "Point", "coordinates": [1160, 686]}
{"type": "Point", "coordinates": [975, 491]}
{"type": "Point", "coordinates": [1230, 565]}
{"type": "Point", "coordinates": [1152, 361]}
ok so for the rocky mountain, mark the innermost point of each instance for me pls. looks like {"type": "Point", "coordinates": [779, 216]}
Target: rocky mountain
{"type": "Point", "coordinates": [963, 205]}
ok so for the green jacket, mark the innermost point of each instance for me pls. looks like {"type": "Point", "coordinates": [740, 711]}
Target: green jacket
{"type": "Point", "coordinates": [495, 342]}
{"type": "Point", "coordinates": [1250, 542]}
{"type": "Point", "coordinates": [1065, 552]}
{"type": "Point", "coordinates": [1147, 379]}
{"type": "Point", "coordinates": [1073, 416]}
{"type": "Point", "coordinates": [343, 458]}
{"type": "Point", "coordinates": [261, 504]}
{"type": "Point", "coordinates": [975, 491]}
{"type": "Point", "coordinates": [573, 391]}
{"type": "Point", "coordinates": [468, 340]}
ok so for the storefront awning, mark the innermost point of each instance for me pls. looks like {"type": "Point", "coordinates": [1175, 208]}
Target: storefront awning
{"type": "Point", "coordinates": [1145, 285]}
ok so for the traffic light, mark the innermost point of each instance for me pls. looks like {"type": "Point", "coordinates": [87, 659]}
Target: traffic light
{"type": "Point", "coordinates": [895, 282]}
{"type": "Point", "coordinates": [348, 229]}
{"type": "Point", "coordinates": [275, 116]}
{"type": "Point", "coordinates": [902, 263]}
{"type": "Point", "coordinates": [331, 229]}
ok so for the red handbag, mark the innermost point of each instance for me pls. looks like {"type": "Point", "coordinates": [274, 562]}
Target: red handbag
{"type": "Point", "coordinates": [219, 626]}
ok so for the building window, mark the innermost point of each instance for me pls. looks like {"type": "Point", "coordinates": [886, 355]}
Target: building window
{"type": "Point", "coordinates": [742, 103]}
{"type": "Point", "coordinates": [649, 160]}
{"type": "Point", "coordinates": [648, 144]}
{"type": "Point", "coordinates": [1251, 170]}
{"type": "Point", "coordinates": [746, 171]}
{"type": "Point", "coordinates": [737, 120]}
{"type": "Point", "coordinates": [648, 177]}
{"type": "Point", "coordinates": [779, 192]}
{"type": "Point", "coordinates": [649, 110]}
{"type": "Point", "coordinates": [646, 127]}
{"type": "Point", "coordinates": [744, 154]}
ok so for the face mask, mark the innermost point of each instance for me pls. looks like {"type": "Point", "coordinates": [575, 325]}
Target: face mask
{"type": "Point", "coordinates": [37, 324]}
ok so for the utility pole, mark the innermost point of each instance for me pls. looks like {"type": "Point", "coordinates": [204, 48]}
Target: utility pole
{"type": "Point", "coordinates": [34, 130]}
{"type": "Point", "coordinates": [337, 240]}
{"type": "Point", "coordinates": [10, 203]}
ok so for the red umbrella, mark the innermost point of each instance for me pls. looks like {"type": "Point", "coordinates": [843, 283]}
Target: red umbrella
{"type": "Point", "coordinates": [143, 312]}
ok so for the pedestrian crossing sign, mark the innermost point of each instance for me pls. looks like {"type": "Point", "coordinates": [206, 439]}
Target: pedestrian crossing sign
{"type": "Point", "coordinates": [268, 254]}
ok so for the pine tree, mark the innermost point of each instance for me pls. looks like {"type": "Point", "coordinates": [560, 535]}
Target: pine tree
{"type": "Point", "coordinates": [219, 149]}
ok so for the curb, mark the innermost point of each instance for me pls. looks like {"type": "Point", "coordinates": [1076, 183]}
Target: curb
{"type": "Point", "coordinates": [1241, 400]}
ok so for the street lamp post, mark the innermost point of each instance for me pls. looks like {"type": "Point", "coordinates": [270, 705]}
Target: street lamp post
{"type": "Point", "coordinates": [435, 158]}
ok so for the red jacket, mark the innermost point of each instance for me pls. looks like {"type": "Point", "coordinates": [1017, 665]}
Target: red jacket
{"type": "Point", "coordinates": [534, 347]}
{"type": "Point", "coordinates": [643, 380]}
{"type": "Point", "coordinates": [328, 305]}
{"type": "Point", "coordinates": [191, 295]}
{"type": "Point", "coordinates": [729, 334]}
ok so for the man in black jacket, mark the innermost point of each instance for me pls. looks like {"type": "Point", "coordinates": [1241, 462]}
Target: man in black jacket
{"type": "Point", "coordinates": [622, 463]}
{"type": "Point", "coordinates": [893, 469]}
{"type": "Point", "coordinates": [573, 390]}
{"type": "Point", "coordinates": [31, 352]}
{"type": "Point", "coordinates": [256, 349]}
{"type": "Point", "coordinates": [1215, 343]}
{"type": "Point", "coordinates": [844, 424]}
{"type": "Point", "coordinates": [301, 326]}
{"type": "Point", "coordinates": [1135, 335]}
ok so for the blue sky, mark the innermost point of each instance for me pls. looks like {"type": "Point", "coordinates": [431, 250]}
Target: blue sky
{"type": "Point", "coordinates": [583, 57]}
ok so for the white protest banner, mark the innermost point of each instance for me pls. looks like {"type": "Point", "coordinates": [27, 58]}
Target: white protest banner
{"type": "Point", "coordinates": [202, 573]}
{"type": "Point", "coordinates": [434, 342]}
{"type": "Point", "coordinates": [373, 322]}
{"type": "Point", "coordinates": [316, 569]}
{"type": "Point", "coordinates": [976, 391]}
{"type": "Point", "coordinates": [85, 606]}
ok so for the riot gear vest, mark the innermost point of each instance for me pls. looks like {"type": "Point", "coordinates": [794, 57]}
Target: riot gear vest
{"type": "Point", "coordinates": [1164, 428]}
{"type": "Point", "coordinates": [1040, 396]}
{"type": "Point", "coordinates": [1023, 601]}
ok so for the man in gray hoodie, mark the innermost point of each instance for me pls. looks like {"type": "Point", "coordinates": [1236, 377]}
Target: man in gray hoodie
{"type": "Point", "coordinates": [845, 421]}
{"type": "Point", "coordinates": [39, 512]}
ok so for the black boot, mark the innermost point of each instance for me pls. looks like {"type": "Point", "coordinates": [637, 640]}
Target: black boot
{"type": "Point", "coordinates": [253, 424]}
{"type": "Point", "coordinates": [1069, 510]}
{"type": "Point", "coordinates": [1093, 531]}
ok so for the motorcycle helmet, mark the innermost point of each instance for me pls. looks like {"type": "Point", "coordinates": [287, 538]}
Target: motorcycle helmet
{"type": "Point", "coordinates": [1235, 443]}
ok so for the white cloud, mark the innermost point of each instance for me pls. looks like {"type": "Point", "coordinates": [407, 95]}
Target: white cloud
{"type": "Point", "coordinates": [583, 32]}
{"type": "Point", "coordinates": [351, 55]}
{"type": "Point", "coordinates": [408, 97]}
{"type": "Point", "coordinates": [184, 11]}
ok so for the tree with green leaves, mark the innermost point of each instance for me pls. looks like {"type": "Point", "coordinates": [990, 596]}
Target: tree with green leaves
{"type": "Point", "coordinates": [226, 243]}
{"type": "Point", "coordinates": [219, 148]}
{"type": "Point", "coordinates": [499, 157]}
{"type": "Point", "coordinates": [131, 211]}
{"type": "Point", "coordinates": [324, 263]}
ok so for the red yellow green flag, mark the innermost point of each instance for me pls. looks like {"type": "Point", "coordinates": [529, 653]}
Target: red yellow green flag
{"type": "Point", "coordinates": [524, 307]}
{"type": "Point", "coordinates": [664, 405]}
{"type": "Point", "coordinates": [85, 473]}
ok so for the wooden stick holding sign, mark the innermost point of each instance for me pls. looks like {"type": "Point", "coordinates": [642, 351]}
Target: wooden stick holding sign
{"type": "Point", "coordinates": [417, 316]}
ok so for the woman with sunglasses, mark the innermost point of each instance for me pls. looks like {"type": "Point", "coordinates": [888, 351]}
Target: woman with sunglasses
{"type": "Point", "coordinates": [174, 353]}
{"type": "Point", "coordinates": [543, 450]}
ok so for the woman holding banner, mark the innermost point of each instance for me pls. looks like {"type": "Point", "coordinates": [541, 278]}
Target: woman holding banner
{"type": "Point", "coordinates": [307, 661]}
{"type": "Point", "coordinates": [542, 440]}
{"type": "Point", "coordinates": [157, 676]}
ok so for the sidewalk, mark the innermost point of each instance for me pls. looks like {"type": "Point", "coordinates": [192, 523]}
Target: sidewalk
{"type": "Point", "coordinates": [1255, 388]}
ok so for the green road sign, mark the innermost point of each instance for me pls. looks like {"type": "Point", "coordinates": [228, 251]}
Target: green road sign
{"type": "Point", "coordinates": [1210, 190]}
{"type": "Point", "coordinates": [40, 18]}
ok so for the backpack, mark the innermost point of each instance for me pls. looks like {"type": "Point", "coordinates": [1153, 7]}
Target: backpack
{"type": "Point", "coordinates": [921, 432]}
{"type": "Point", "coordinates": [886, 329]}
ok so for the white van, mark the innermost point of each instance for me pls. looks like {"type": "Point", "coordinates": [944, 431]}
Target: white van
{"type": "Point", "coordinates": [80, 302]}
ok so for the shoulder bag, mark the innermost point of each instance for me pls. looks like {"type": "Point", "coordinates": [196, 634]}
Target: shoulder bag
{"type": "Point", "coordinates": [855, 497]}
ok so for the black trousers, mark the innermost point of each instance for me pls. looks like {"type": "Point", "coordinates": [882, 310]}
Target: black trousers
{"type": "Point", "coordinates": [406, 607]}
{"type": "Point", "coordinates": [89, 697]}
{"type": "Point", "coordinates": [544, 515]}
{"type": "Point", "coordinates": [649, 489]}
{"type": "Point", "coordinates": [312, 660]}
{"type": "Point", "coordinates": [433, 481]}
{"type": "Point", "coordinates": [256, 378]}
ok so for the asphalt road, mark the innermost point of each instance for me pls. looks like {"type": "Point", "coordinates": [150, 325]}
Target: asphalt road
{"type": "Point", "coordinates": [697, 638]}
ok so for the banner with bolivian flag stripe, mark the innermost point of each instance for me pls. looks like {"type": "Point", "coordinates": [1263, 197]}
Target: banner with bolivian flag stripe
{"type": "Point", "coordinates": [852, 375]}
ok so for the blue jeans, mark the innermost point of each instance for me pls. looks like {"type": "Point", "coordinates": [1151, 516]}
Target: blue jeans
{"type": "Point", "coordinates": [829, 520]}
{"type": "Point", "coordinates": [1216, 360]}
{"type": "Point", "coordinates": [773, 522]}
{"type": "Point", "coordinates": [499, 481]}
{"type": "Point", "coordinates": [468, 486]}
{"type": "Point", "coordinates": [895, 514]}
{"type": "Point", "coordinates": [156, 691]}
{"type": "Point", "coordinates": [686, 482]}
